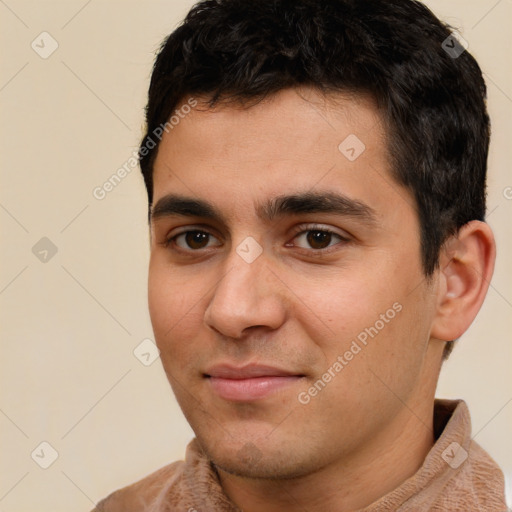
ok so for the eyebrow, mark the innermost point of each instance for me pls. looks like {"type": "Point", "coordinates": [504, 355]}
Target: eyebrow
{"type": "Point", "coordinates": [294, 204]}
{"type": "Point", "coordinates": [316, 202]}
{"type": "Point", "coordinates": [171, 205]}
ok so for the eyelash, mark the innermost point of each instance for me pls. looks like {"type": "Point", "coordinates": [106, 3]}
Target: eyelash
{"type": "Point", "coordinates": [172, 239]}
{"type": "Point", "coordinates": [299, 230]}
{"type": "Point", "coordinates": [303, 229]}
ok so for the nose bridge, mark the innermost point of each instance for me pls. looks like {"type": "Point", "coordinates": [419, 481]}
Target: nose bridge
{"type": "Point", "coordinates": [245, 296]}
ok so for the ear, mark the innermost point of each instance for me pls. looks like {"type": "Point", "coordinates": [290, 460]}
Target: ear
{"type": "Point", "coordinates": [466, 268]}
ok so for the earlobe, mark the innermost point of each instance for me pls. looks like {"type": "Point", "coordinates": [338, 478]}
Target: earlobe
{"type": "Point", "coordinates": [466, 268]}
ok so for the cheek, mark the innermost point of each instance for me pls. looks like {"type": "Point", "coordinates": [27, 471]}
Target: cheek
{"type": "Point", "coordinates": [174, 310]}
{"type": "Point", "coordinates": [379, 320]}
{"type": "Point", "coordinates": [337, 308]}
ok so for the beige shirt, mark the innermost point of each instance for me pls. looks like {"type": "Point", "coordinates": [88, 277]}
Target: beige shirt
{"type": "Point", "coordinates": [457, 475]}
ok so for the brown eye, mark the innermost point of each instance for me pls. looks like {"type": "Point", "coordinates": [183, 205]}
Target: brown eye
{"type": "Point", "coordinates": [194, 240]}
{"type": "Point", "coordinates": [319, 239]}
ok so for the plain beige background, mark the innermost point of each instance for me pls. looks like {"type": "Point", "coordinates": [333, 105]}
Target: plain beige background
{"type": "Point", "coordinates": [70, 324]}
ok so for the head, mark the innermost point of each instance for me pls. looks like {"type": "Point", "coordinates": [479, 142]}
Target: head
{"type": "Point", "coordinates": [315, 199]}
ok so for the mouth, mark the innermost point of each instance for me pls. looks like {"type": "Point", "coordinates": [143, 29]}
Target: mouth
{"type": "Point", "coordinates": [249, 383]}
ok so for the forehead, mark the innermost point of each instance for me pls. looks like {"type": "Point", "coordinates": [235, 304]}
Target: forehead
{"type": "Point", "coordinates": [277, 123]}
{"type": "Point", "coordinates": [292, 142]}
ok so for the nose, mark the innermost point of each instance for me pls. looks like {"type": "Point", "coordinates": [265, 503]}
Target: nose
{"type": "Point", "coordinates": [248, 295]}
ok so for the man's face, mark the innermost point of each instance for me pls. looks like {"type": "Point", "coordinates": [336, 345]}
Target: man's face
{"type": "Point", "coordinates": [285, 287]}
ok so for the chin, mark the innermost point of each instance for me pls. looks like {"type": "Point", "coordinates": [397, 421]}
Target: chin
{"type": "Point", "coordinates": [250, 460]}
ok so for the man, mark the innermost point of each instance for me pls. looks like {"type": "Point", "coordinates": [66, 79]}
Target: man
{"type": "Point", "coordinates": [316, 183]}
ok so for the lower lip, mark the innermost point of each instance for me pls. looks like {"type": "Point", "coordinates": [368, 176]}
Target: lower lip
{"type": "Point", "coordinates": [243, 390]}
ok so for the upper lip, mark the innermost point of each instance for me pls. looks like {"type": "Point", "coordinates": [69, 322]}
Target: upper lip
{"type": "Point", "coordinates": [226, 371]}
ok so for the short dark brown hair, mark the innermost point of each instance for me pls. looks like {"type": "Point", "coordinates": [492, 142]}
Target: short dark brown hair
{"type": "Point", "coordinates": [431, 92]}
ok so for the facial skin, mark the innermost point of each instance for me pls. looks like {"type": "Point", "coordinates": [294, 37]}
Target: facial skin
{"type": "Point", "coordinates": [298, 306]}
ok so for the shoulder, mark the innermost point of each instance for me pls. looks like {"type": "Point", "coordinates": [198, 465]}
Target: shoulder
{"type": "Point", "coordinates": [138, 496]}
{"type": "Point", "coordinates": [487, 479]}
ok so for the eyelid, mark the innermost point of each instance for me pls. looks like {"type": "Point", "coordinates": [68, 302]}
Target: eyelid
{"type": "Point", "coordinates": [304, 228]}
{"type": "Point", "coordinates": [297, 230]}
{"type": "Point", "coordinates": [170, 237]}
{"type": "Point", "coordinates": [301, 228]}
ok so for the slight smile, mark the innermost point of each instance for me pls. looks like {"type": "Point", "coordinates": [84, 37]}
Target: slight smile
{"type": "Point", "coordinates": [249, 383]}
